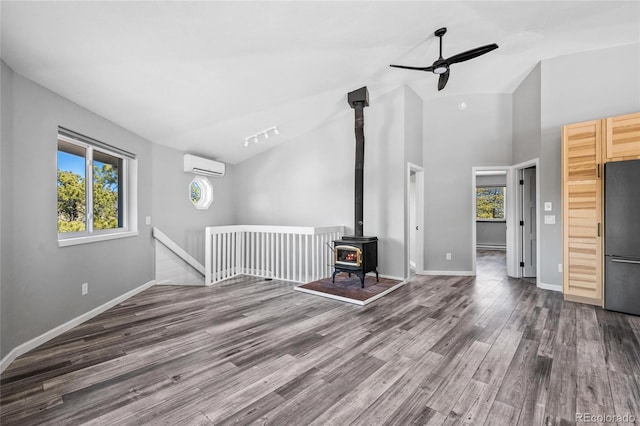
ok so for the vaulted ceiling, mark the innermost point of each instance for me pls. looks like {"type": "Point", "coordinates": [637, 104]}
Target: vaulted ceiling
{"type": "Point", "coordinates": [202, 76]}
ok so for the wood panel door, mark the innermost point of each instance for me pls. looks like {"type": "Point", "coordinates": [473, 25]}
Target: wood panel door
{"type": "Point", "coordinates": [582, 211]}
{"type": "Point", "coordinates": [622, 138]}
{"type": "Point", "coordinates": [582, 236]}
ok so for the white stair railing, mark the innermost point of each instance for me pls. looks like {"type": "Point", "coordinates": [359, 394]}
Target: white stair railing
{"type": "Point", "coordinates": [289, 253]}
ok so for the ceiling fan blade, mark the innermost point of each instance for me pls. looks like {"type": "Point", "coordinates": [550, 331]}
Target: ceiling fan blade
{"type": "Point", "coordinates": [470, 54]}
{"type": "Point", "coordinates": [442, 81]}
{"type": "Point", "coordinates": [413, 68]}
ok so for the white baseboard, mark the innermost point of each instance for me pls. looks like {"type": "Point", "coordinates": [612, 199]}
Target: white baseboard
{"type": "Point", "coordinates": [552, 287]}
{"type": "Point", "coordinates": [389, 277]}
{"type": "Point", "coordinates": [55, 332]}
{"type": "Point", "coordinates": [170, 282]}
{"type": "Point", "coordinates": [453, 273]}
{"type": "Point", "coordinates": [491, 247]}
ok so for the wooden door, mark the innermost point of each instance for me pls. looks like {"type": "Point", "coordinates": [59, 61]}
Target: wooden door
{"type": "Point", "coordinates": [583, 248]}
{"type": "Point", "coordinates": [582, 212]}
{"type": "Point", "coordinates": [622, 138]}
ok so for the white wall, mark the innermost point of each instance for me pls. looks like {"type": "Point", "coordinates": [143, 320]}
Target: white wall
{"type": "Point", "coordinates": [173, 211]}
{"type": "Point", "coordinates": [6, 192]}
{"type": "Point", "coordinates": [454, 141]}
{"type": "Point", "coordinates": [575, 88]}
{"type": "Point", "coordinates": [526, 117]}
{"type": "Point", "coordinates": [41, 282]}
{"type": "Point", "coordinates": [413, 149]}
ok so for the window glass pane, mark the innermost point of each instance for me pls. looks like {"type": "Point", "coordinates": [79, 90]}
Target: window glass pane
{"type": "Point", "coordinates": [107, 191]}
{"type": "Point", "coordinates": [490, 202]}
{"type": "Point", "coordinates": [71, 187]}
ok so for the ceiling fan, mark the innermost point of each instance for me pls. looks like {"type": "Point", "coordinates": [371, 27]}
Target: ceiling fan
{"type": "Point", "coordinates": [441, 65]}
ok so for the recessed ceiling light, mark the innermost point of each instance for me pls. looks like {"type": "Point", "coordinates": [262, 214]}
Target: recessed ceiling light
{"type": "Point", "coordinates": [462, 105]}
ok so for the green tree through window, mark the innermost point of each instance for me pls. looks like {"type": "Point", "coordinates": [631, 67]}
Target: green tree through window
{"type": "Point", "coordinates": [78, 195]}
{"type": "Point", "coordinates": [105, 196]}
{"type": "Point", "coordinates": [490, 202]}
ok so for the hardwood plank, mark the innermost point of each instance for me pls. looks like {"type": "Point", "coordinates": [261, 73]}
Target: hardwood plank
{"type": "Point", "coordinates": [561, 400]}
{"type": "Point", "coordinates": [587, 327]}
{"type": "Point", "coordinates": [473, 405]}
{"type": "Point", "coordinates": [365, 394]}
{"type": "Point", "coordinates": [521, 372]}
{"type": "Point", "coordinates": [625, 391]}
{"type": "Point", "coordinates": [449, 391]}
{"type": "Point", "coordinates": [621, 347]}
{"type": "Point", "coordinates": [502, 414]}
{"type": "Point", "coordinates": [401, 390]}
{"type": "Point", "coordinates": [593, 390]}
{"type": "Point", "coordinates": [495, 364]}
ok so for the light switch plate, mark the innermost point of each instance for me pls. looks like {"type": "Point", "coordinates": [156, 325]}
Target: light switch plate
{"type": "Point", "coordinates": [147, 220]}
{"type": "Point", "coordinates": [549, 219]}
{"type": "Point", "coordinates": [548, 206]}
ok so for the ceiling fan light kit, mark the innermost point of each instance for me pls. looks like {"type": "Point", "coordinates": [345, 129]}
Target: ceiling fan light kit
{"type": "Point", "coordinates": [441, 65]}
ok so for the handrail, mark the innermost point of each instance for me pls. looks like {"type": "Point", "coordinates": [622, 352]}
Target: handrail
{"type": "Point", "coordinates": [303, 230]}
{"type": "Point", "coordinates": [179, 251]}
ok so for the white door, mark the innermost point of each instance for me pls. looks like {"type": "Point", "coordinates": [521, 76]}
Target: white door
{"type": "Point", "coordinates": [528, 223]}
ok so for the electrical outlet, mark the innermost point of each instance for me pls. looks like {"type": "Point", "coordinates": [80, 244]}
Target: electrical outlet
{"type": "Point", "coordinates": [559, 267]}
{"type": "Point", "coordinates": [85, 288]}
{"type": "Point", "coordinates": [448, 256]}
{"type": "Point", "coordinates": [147, 220]}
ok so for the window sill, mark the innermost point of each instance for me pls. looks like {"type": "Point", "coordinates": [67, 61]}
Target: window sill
{"type": "Point", "coordinates": [492, 220]}
{"type": "Point", "coordinates": [95, 238]}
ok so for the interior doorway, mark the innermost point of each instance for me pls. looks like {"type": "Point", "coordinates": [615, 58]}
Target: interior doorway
{"type": "Point", "coordinates": [490, 212]}
{"type": "Point", "coordinates": [414, 219]}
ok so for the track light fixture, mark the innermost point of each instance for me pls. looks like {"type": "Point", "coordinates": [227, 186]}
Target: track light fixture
{"type": "Point", "coordinates": [263, 134]}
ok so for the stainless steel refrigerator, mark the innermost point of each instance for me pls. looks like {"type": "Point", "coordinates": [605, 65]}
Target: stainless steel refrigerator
{"type": "Point", "coordinates": [622, 236]}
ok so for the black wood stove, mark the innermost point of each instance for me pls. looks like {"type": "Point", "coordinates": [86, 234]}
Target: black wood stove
{"type": "Point", "coordinates": [357, 254]}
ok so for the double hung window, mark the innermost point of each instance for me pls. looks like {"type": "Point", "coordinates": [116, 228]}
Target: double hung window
{"type": "Point", "coordinates": [94, 186]}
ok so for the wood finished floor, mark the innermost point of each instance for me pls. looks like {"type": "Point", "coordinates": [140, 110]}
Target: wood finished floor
{"type": "Point", "coordinates": [439, 351]}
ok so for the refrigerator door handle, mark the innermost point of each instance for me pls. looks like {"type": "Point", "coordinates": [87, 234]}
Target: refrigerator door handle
{"type": "Point", "coordinates": [635, 262]}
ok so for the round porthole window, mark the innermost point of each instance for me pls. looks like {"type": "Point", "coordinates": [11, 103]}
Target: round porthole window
{"type": "Point", "coordinates": [201, 192]}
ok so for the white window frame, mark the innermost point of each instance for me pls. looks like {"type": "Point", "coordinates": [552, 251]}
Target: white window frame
{"type": "Point", "coordinates": [129, 198]}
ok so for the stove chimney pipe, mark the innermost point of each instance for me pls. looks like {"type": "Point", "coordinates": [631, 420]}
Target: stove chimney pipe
{"type": "Point", "coordinates": [358, 99]}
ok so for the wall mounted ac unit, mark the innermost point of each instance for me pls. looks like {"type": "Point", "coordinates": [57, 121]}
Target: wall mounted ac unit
{"type": "Point", "coordinates": [203, 166]}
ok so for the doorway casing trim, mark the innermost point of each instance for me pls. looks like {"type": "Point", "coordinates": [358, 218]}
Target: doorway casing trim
{"type": "Point", "coordinates": [419, 171]}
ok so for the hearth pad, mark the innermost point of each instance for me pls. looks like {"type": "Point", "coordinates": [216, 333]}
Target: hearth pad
{"type": "Point", "coordinates": [347, 289]}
